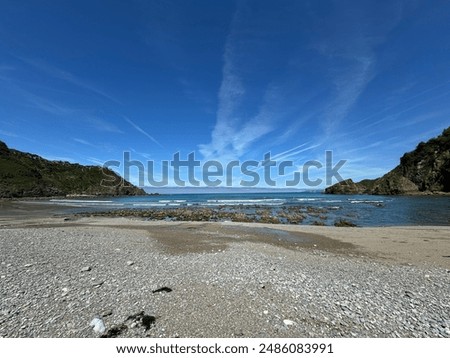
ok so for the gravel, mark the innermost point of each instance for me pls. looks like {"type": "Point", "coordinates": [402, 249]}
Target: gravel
{"type": "Point", "coordinates": [93, 281]}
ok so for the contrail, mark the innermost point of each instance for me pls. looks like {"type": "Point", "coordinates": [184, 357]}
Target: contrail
{"type": "Point", "coordinates": [139, 129]}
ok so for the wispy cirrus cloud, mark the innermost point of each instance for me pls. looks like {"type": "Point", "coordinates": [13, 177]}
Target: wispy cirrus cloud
{"type": "Point", "coordinates": [350, 51]}
{"type": "Point", "coordinates": [139, 129]}
{"type": "Point", "coordinates": [292, 153]}
{"type": "Point", "coordinates": [390, 114]}
{"type": "Point", "coordinates": [36, 101]}
{"type": "Point", "coordinates": [103, 125]}
{"type": "Point", "coordinates": [6, 68]}
{"type": "Point", "coordinates": [68, 77]}
{"type": "Point", "coordinates": [234, 133]}
{"type": "Point", "coordinates": [352, 63]}
{"type": "Point", "coordinates": [349, 85]}
{"type": "Point", "coordinates": [59, 109]}
{"type": "Point", "coordinates": [83, 141]}
{"type": "Point", "coordinates": [47, 105]}
{"type": "Point", "coordinates": [8, 134]}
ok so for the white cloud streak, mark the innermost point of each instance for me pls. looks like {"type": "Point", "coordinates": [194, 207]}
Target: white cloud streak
{"type": "Point", "coordinates": [233, 135]}
{"type": "Point", "coordinates": [349, 84]}
{"type": "Point", "coordinates": [47, 105]}
{"type": "Point", "coordinates": [103, 125]}
{"type": "Point", "coordinates": [288, 153]}
{"type": "Point", "coordinates": [8, 134]}
{"type": "Point", "coordinates": [296, 152]}
{"type": "Point", "coordinates": [6, 68]}
{"type": "Point", "coordinates": [351, 51]}
{"type": "Point", "coordinates": [84, 142]}
{"type": "Point", "coordinates": [68, 77]}
{"type": "Point", "coordinates": [139, 129]}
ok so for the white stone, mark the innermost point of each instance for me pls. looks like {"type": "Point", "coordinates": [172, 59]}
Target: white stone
{"type": "Point", "coordinates": [288, 322]}
{"type": "Point", "coordinates": [98, 325]}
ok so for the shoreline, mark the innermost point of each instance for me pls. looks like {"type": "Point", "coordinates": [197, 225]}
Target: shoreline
{"type": "Point", "coordinates": [302, 214]}
{"type": "Point", "coordinates": [74, 196]}
{"type": "Point", "coordinates": [414, 244]}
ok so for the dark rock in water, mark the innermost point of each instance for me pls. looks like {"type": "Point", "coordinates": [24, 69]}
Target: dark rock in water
{"type": "Point", "coordinates": [162, 289]}
{"type": "Point", "coordinates": [344, 223]}
{"type": "Point", "coordinates": [424, 170]}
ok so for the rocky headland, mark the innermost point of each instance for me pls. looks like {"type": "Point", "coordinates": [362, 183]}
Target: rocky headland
{"type": "Point", "coordinates": [425, 170]}
{"type": "Point", "coordinates": [29, 175]}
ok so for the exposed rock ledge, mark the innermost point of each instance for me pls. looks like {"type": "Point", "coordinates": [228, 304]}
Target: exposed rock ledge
{"type": "Point", "coordinates": [426, 170]}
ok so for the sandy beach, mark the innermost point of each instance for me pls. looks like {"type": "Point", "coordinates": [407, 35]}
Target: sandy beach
{"type": "Point", "coordinates": [195, 279]}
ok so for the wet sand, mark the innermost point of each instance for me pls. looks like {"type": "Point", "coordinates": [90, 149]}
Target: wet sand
{"type": "Point", "coordinates": [417, 245]}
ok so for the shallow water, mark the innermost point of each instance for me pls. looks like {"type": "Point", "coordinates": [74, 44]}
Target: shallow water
{"type": "Point", "coordinates": [363, 210]}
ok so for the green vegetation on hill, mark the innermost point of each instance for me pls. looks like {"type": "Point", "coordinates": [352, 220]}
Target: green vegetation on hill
{"type": "Point", "coordinates": [424, 170]}
{"type": "Point", "coordinates": [28, 175]}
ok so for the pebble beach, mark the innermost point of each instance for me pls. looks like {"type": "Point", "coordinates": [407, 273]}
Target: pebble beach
{"type": "Point", "coordinates": [127, 277]}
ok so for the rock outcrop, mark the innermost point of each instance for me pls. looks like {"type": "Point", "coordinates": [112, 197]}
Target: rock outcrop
{"type": "Point", "coordinates": [424, 170]}
{"type": "Point", "coordinates": [28, 175]}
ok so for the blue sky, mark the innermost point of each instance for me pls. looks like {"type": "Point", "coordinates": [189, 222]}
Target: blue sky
{"type": "Point", "coordinates": [85, 81]}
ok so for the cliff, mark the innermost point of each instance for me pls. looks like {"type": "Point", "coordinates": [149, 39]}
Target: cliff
{"type": "Point", "coordinates": [424, 170]}
{"type": "Point", "coordinates": [28, 175]}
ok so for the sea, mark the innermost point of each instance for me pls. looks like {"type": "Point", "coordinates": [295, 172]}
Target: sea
{"type": "Point", "coordinates": [362, 210]}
